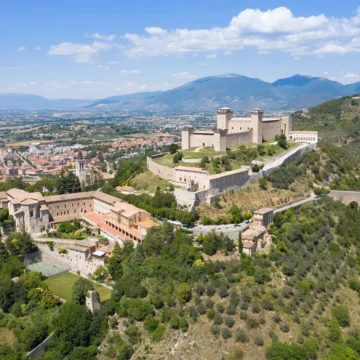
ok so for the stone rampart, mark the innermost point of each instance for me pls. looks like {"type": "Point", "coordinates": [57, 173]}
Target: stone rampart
{"type": "Point", "coordinates": [40, 349]}
{"type": "Point", "coordinates": [161, 171]}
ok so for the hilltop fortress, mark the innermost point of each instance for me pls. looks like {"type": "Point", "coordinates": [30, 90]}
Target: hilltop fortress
{"type": "Point", "coordinates": [233, 131]}
{"type": "Point", "coordinates": [198, 185]}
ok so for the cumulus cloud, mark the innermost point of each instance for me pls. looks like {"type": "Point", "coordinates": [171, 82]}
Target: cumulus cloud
{"type": "Point", "coordinates": [275, 29]}
{"type": "Point", "coordinates": [37, 48]}
{"type": "Point", "coordinates": [212, 56]}
{"type": "Point", "coordinates": [183, 75]}
{"type": "Point", "coordinates": [104, 37]}
{"type": "Point", "coordinates": [80, 52]}
{"type": "Point", "coordinates": [131, 72]}
{"type": "Point", "coordinates": [21, 48]}
{"type": "Point", "coordinates": [104, 67]}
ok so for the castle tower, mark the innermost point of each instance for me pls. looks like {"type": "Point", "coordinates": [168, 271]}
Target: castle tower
{"type": "Point", "coordinates": [80, 170]}
{"type": "Point", "coordinates": [185, 137]}
{"type": "Point", "coordinates": [286, 125]}
{"type": "Point", "coordinates": [256, 125]}
{"type": "Point", "coordinates": [223, 116]}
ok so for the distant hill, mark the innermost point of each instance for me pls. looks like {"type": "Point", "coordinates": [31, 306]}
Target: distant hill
{"type": "Point", "coordinates": [13, 101]}
{"type": "Point", "coordinates": [239, 92]}
{"type": "Point", "coordinates": [207, 94]}
{"type": "Point", "coordinates": [336, 120]}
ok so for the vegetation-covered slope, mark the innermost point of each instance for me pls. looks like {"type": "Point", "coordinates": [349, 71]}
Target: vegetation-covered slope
{"type": "Point", "coordinates": [336, 120]}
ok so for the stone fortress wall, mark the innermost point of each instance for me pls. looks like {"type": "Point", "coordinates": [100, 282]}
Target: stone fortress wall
{"type": "Point", "coordinates": [161, 171]}
{"type": "Point", "coordinates": [213, 185]}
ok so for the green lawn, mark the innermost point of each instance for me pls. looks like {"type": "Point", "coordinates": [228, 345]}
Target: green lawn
{"type": "Point", "coordinates": [62, 286]}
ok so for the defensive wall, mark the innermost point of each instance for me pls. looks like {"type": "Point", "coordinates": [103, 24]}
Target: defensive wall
{"type": "Point", "coordinates": [345, 196]}
{"type": "Point", "coordinates": [227, 181]}
{"type": "Point", "coordinates": [40, 349]}
{"type": "Point", "coordinates": [161, 171]}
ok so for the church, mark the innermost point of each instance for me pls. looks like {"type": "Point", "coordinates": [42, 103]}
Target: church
{"type": "Point", "coordinates": [232, 131]}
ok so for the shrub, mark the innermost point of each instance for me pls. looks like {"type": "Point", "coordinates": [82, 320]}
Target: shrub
{"type": "Point", "coordinates": [157, 301]}
{"type": "Point", "coordinates": [193, 313]}
{"type": "Point", "coordinates": [183, 292]}
{"type": "Point", "coordinates": [215, 330]}
{"type": "Point", "coordinates": [268, 305]}
{"type": "Point", "coordinates": [175, 322]}
{"type": "Point", "coordinates": [226, 333]}
{"type": "Point", "coordinates": [184, 325]}
{"type": "Point", "coordinates": [209, 303]}
{"type": "Point", "coordinates": [252, 323]}
{"type": "Point", "coordinates": [259, 340]}
{"type": "Point", "coordinates": [277, 317]}
{"type": "Point", "coordinates": [241, 336]}
{"type": "Point", "coordinates": [243, 315]}
{"type": "Point", "coordinates": [223, 292]}
{"type": "Point", "coordinates": [158, 333]}
{"type": "Point", "coordinates": [201, 308]}
{"type": "Point", "coordinates": [256, 308]}
{"type": "Point", "coordinates": [229, 321]}
{"type": "Point", "coordinates": [151, 323]}
{"type": "Point", "coordinates": [211, 314]}
{"type": "Point", "coordinates": [284, 327]}
{"type": "Point", "coordinates": [218, 319]}
{"type": "Point", "coordinates": [341, 314]}
{"type": "Point", "coordinates": [220, 308]}
{"type": "Point", "coordinates": [231, 309]}
{"type": "Point", "coordinates": [209, 290]}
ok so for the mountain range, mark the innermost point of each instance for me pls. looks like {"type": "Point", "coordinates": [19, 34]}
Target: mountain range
{"type": "Point", "coordinates": [206, 94]}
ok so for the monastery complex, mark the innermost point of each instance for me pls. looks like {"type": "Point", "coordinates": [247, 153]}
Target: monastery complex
{"type": "Point", "coordinates": [115, 219]}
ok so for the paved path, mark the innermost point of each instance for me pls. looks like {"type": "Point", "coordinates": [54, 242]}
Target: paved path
{"type": "Point", "coordinates": [278, 161]}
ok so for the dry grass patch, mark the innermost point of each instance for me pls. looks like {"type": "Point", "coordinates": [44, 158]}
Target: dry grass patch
{"type": "Point", "coordinates": [252, 198]}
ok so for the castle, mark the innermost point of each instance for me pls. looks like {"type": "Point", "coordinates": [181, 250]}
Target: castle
{"type": "Point", "coordinates": [233, 131]}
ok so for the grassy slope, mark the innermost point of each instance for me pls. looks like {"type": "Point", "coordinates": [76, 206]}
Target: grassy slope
{"type": "Point", "coordinates": [336, 120]}
{"type": "Point", "coordinates": [62, 286]}
{"type": "Point", "coordinates": [6, 336]}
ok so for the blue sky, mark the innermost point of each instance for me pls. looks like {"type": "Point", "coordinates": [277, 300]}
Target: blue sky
{"type": "Point", "coordinates": [94, 49]}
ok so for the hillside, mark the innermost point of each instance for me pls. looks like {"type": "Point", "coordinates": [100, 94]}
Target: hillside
{"type": "Point", "coordinates": [206, 94]}
{"type": "Point", "coordinates": [337, 120]}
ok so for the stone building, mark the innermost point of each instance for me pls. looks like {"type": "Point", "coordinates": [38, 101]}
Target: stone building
{"type": "Point", "coordinates": [114, 218]}
{"type": "Point", "coordinates": [232, 131]}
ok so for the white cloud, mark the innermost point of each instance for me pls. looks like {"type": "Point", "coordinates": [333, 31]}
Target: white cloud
{"type": "Point", "coordinates": [351, 76]}
{"type": "Point", "coordinates": [104, 67]}
{"type": "Point", "coordinates": [275, 29]}
{"type": "Point", "coordinates": [183, 75]}
{"type": "Point", "coordinates": [227, 52]}
{"type": "Point", "coordinates": [37, 48]}
{"type": "Point", "coordinates": [104, 37]}
{"type": "Point", "coordinates": [331, 49]}
{"type": "Point", "coordinates": [80, 52]}
{"type": "Point", "coordinates": [21, 48]}
{"type": "Point", "coordinates": [155, 30]}
{"type": "Point", "coordinates": [132, 72]}
{"type": "Point", "coordinates": [114, 62]}
{"type": "Point", "coordinates": [325, 73]}
{"type": "Point", "coordinates": [212, 56]}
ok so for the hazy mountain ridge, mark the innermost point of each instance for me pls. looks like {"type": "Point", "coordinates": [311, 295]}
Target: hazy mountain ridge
{"type": "Point", "coordinates": [205, 94]}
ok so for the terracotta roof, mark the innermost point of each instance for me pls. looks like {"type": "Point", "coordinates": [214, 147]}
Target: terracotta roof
{"type": "Point", "coordinates": [99, 221]}
{"type": "Point", "coordinates": [146, 223]}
